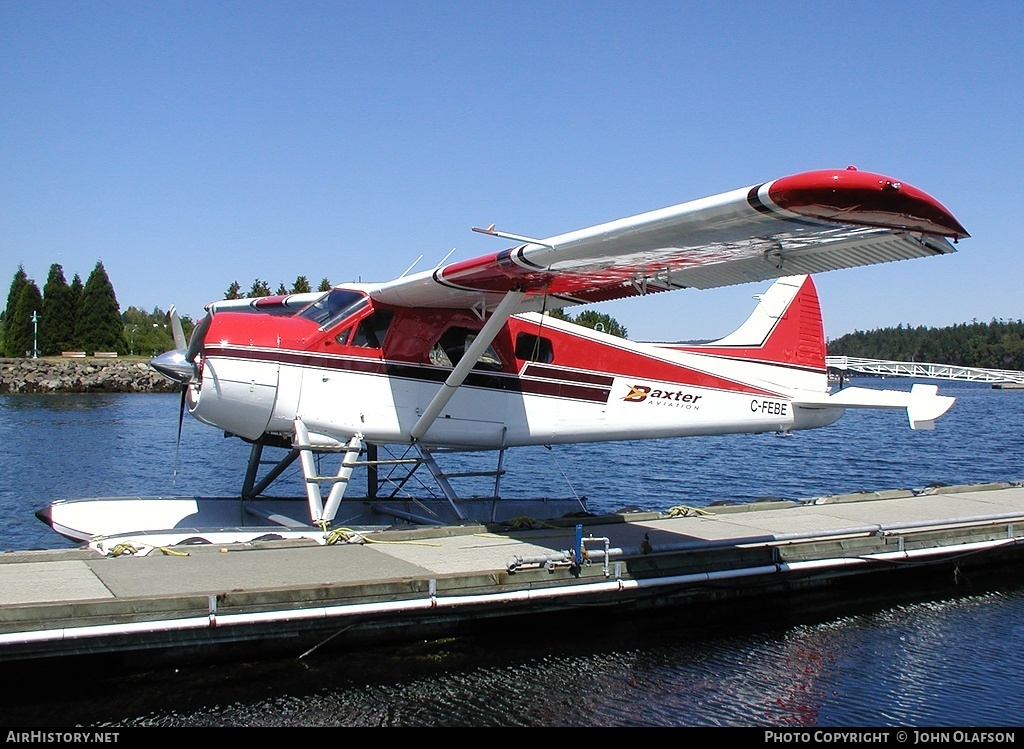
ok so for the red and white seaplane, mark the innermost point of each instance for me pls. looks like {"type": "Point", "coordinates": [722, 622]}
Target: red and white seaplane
{"type": "Point", "coordinates": [462, 356]}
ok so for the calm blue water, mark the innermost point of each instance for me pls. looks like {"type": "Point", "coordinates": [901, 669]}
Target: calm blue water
{"type": "Point", "coordinates": [950, 659]}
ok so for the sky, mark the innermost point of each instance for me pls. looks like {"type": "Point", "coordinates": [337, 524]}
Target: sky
{"type": "Point", "coordinates": [187, 145]}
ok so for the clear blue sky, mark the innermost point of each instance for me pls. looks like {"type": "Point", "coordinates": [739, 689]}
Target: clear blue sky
{"type": "Point", "coordinates": [187, 145]}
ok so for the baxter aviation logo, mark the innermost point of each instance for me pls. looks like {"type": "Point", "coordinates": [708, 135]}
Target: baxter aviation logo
{"type": "Point", "coordinates": [674, 398]}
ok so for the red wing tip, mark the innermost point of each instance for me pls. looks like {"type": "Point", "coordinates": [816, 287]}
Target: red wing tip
{"type": "Point", "coordinates": [852, 196]}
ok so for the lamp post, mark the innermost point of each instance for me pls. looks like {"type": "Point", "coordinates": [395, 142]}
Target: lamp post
{"type": "Point", "coordinates": [35, 335]}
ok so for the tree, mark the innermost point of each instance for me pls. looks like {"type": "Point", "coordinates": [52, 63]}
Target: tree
{"type": "Point", "coordinates": [77, 287]}
{"type": "Point", "coordinates": [57, 326]}
{"type": "Point", "coordinates": [234, 291]}
{"type": "Point", "coordinates": [99, 324]}
{"type": "Point", "coordinates": [22, 336]}
{"type": "Point", "coordinates": [259, 288]}
{"type": "Point", "coordinates": [600, 321]}
{"type": "Point", "coordinates": [13, 296]}
{"type": "Point", "coordinates": [149, 334]}
{"type": "Point", "coordinates": [281, 289]}
{"type": "Point", "coordinates": [325, 285]}
{"type": "Point", "coordinates": [301, 286]}
{"type": "Point", "coordinates": [559, 314]}
{"type": "Point", "coordinates": [590, 319]}
{"type": "Point", "coordinates": [995, 345]}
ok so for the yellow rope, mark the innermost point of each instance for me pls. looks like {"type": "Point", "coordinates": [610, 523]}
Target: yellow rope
{"type": "Point", "coordinates": [349, 536]}
{"type": "Point", "coordinates": [120, 549]}
{"type": "Point", "coordinates": [526, 523]}
{"type": "Point", "coordinates": [172, 552]}
{"type": "Point", "coordinates": [125, 548]}
{"type": "Point", "coordinates": [682, 511]}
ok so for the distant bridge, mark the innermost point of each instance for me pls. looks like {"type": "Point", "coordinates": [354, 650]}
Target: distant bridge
{"type": "Point", "coordinates": [850, 364]}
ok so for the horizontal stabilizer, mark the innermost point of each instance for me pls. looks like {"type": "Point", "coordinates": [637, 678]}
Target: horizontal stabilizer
{"type": "Point", "coordinates": [926, 405]}
{"type": "Point", "coordinates": [922, 402]}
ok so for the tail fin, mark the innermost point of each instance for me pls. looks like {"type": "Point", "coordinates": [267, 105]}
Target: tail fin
{"type": "Point", "coordinates": [784, 328]}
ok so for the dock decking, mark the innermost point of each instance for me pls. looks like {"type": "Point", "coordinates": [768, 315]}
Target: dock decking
{"type": "Point", "coordinates": [197, 600]}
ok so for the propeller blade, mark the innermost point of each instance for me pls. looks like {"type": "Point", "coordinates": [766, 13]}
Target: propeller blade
{"type": "Point", "coordinates": [179, 364]}
{"type": "Point", "coordinates": [195, 346]}
{"type": "Point", "coordinates": [173, 364]}
{"type": "Point", "coordinates": [177, 331]}
{"type": "Point", "coordinates": [181, 419]}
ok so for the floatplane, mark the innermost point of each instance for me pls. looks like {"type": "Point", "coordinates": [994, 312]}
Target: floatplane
{"type": "Point", "coordinates": [389, 377]}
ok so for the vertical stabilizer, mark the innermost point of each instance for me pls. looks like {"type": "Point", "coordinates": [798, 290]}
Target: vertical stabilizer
{"type": "Point", "coordinates": [785, 328]}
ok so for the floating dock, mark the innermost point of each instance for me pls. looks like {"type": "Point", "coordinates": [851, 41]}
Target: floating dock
{"type": "Point", "coordinates": [146, 605]}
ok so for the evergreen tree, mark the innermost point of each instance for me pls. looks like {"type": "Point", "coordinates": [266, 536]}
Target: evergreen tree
{"type": "Point", "coordinates": [259, 288]}
{"type": "Point", "coordinates": [281, 289]}
{"type": "Point", "coordinates": [22, 332]}
{"type": "Point", "coordinates": [57, 326]}
{"type": "Point", "coordinates": [325, 285]}
{"type": "Point", "coordinates": [234, 291]}
{"type": "Point", "coordinates": [75, 305]}
{"type": "Point", "coordinates": [13, 296]}
{"type": "Point", "coordinates": [301, 286]}
{"type": "Point", "coordinates": [99, 324]}
{"type": "Point", "coordinates": [995, 345]}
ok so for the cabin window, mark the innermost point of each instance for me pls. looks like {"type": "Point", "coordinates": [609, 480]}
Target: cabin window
{"type": "Point", "coordinates": [448, 350]}
{"type": "Point", "coordinates": [534, 348]}
{"type": "Point", "coordinates": [333, 306]}
{"type": "Point", "coordinates": [342, 337]}
{"type": "Point", "coordinates": [370, 333]}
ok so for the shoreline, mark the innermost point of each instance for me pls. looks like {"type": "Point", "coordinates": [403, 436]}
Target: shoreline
{"type": "Point", "coordinates": [81, 375]}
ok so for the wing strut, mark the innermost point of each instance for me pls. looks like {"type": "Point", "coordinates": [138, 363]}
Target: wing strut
{"type": "Point", "coordinates": [458, 375]}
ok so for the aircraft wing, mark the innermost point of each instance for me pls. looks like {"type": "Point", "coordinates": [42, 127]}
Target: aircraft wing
{"type": "Point", "coordinates": [802, 224]}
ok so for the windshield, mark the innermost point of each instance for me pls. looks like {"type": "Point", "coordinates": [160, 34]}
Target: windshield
{"type": "Point", "coordinates": [333, 306]}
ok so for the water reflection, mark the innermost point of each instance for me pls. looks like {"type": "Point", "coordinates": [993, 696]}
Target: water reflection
{"type": "Point", "coordinates": [944, 662]}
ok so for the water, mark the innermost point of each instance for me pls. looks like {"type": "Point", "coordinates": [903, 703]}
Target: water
{"type": "Point", "coordinates": [949, 657]}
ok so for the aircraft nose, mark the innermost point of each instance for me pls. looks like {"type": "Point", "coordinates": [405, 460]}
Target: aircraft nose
{"type": "Point", "coordinates": [174, 366]}
{"type": "Point", "coordinates": [179, 364]}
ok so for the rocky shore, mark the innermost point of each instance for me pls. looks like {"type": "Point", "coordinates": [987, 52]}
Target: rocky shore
{"type": "Point", "coordinates": [86, 375]}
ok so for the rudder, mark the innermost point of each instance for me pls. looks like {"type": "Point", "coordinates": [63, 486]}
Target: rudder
{"type": "Point", "coordinates": [785, 328]}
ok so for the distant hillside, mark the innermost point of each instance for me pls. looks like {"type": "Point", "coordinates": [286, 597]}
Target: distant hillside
{"type": "Point", "coordinates": [994, 345]}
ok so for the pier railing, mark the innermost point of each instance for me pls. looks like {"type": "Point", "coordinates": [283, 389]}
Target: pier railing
{"type": "Point", "coordinates": [845, 364]}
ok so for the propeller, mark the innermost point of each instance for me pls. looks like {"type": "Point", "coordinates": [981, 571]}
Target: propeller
{"type": "Point", "coordinates": [179, 364]}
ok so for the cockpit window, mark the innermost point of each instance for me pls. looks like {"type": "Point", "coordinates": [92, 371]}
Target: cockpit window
{"type": "Point", "coordinates": [333, 306]}
{"type": "Point", "coordinates": [373, 329]}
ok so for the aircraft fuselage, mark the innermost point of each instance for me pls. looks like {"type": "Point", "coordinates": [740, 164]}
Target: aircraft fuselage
{"type": "Point", "coordinates": [542, 381]}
